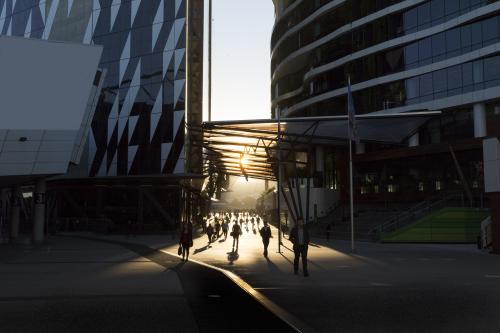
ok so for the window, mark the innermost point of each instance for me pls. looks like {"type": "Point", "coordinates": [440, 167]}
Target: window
{"type": "Point", "coordinates": [426, 84]}
{"type": "Point", "coordinates": [454, 77]}
{"type": "Point", "coordinates": [424, 15]}
{"type": "Point", "coordinates": [438, 46]}
{"type": "Point", "coordinates": [492, 71]}
{"type": "Point", "coordinates": [453, 42]}
{"type": "Point", "coordinates": [411, 20]}
{"type": "Point", "coordinates": [412, 88]}
{"type": "Point", "coordinates": [425, 51]}
{"type": "Point", "coordinates": [490, 29]}
{"type": "Point", "coordinates": [411, 54]}
{"type": "Point", "coordinates": [439, 81]}
{"type": "Point", "coordinates": [437, 10]}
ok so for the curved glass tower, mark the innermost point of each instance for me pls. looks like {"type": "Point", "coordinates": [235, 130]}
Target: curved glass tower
{"type": "Point", "coordinates": [401, 55]}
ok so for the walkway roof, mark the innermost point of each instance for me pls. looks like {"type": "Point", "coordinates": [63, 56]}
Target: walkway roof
{"type": "Point", "coordinates": [248, 147]}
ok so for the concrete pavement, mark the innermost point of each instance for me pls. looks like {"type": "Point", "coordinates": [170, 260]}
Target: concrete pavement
{"type": "Point", "coordinates": [81, 285]}
{"type": "Point", "coordinates": [382, 288]}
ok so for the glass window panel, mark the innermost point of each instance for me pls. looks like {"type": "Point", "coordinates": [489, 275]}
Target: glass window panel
{"type": "Point", "coordinates": [438, 44]}
{"type": "Point", "coordinates": [454, 77]}
{"type": "Point", "coordinates": [411, 53]}
{"type": "Point", "coordinates": [465, 35]}
{"type": "Point", "coordinates": [412, 88]}
{"type": "Point", "coordinates": [467, 76]}
{"type": "Point", "coordinates": [452, 7]}
{"type": "Point", "coordinates": [424, 49]}
{"type": "Point", "coordinates": [478, 71]}
{"type": "Point", "coordinates": [437, 9]}
{"type": "Point", "coordinates": [439, 80]}
{"type": "Point", "coordinates": [492, 68]}
{"type": "Point", "coordinates": [476, 34]}
{"type": "Point", "coordinates": [411, 19]}
{"type": "Point", "coordinates": [453, 40]}
{"type": "Point", "coordinates": [424, 14]}
{"type": "Point", "coordinates": [490, 29]}
{"type": "Point", "coordinates": [464, 5]}
{"type": "Point", "coordinates": [426, 84]}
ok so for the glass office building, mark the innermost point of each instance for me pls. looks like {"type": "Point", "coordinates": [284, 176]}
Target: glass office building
{"type": "Point", "coordinates": [139, 123]}
{"type": "Point", "coordinates": [401, 56]}
{"type": "Point", "coordinates": [138, 135]}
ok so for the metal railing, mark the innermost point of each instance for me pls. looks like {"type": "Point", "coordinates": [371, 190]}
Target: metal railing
{"type": "Point", "coordinates": [418, 211]}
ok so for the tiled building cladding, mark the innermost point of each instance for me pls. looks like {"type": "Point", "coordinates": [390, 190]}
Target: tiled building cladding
{"type": "Point", "coordinates": [138, 127]}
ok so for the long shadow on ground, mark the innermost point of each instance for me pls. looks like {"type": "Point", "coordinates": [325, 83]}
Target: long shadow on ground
{"type": "Point", "coordinates": [218, 304]}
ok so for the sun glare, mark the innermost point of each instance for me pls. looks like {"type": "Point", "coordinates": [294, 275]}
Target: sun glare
{"type": "Point", "coordinates": [244, 161]}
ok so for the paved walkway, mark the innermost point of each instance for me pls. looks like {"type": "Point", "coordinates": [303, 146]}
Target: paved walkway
{"type": "Point", "coordinates": [382, 288]}
{"type": "Point", "coordinates": [83, 285]}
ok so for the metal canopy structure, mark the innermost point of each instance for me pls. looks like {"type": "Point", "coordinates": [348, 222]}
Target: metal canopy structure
{"type": "Point", "coordinates": [249, 147]}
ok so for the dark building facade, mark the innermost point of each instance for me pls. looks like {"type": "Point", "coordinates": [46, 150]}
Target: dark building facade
{"type": "Point", "coordinates": [138, 127]}
{"type": "Point", "coordinates": [401, 56]}
{"type": "Point", "coordinates": [138, 132]}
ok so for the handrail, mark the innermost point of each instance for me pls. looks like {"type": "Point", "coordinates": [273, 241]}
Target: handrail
{"type": "Point", "coordinates": [414, 213]}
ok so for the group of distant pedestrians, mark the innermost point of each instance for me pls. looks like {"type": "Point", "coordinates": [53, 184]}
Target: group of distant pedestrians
{"type": "Point", "coordinates": [299, 236]}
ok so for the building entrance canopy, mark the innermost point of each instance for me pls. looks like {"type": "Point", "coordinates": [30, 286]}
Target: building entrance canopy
{"type": "Point", "coordinates": [249, 147]}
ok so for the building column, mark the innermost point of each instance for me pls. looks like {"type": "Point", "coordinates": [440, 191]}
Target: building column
{"type": "Point", "coordinates": [360, 148]}
{"type": "Point", "coordinates": [320, 159]}
{"type": "Point", "coordinates": [15, 212]}
{"type": "Point", "coordinates": [414, 140]}
{"type": "Point", "coordinates": [39, 211]}
{"type": "Point", "coordinates": [495, 221]}
{"type": "Point", "coordinates": [479, 112]}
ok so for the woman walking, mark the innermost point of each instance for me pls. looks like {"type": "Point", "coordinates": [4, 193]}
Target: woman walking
{"type": "Point", "coordinates": [186, 240]}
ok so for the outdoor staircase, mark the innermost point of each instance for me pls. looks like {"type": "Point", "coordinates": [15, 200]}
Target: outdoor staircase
{"type": "Point", "coordinates": [417, 212]}
{"type": "Point", "coordinates": [366, 217]}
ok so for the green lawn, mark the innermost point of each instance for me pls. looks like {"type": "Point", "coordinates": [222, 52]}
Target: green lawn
{"type": "Point", "coordinates": [449, 225]}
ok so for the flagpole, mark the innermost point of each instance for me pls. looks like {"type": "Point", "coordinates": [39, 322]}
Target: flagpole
{"type": "Point", "coordinates": [351, 191]}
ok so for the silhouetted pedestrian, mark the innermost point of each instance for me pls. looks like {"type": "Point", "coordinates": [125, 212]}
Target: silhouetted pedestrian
{"type": "Point", "coordinates": [186, 240]}
{"type": "Point", "coordinates": [210, 233]}
{"type": "Point", "coordinates": [225, 228]}
{"type": "Point", "coordinates": [217, 228]}
{"type": "Point", "coordinates": [328, 230]}
{"type": "Point", "coordinates": [236, 233]}
{"type": "Point", "coordinates": [299, 236]}
{"type": "Point", "coordinates": [265, 233]}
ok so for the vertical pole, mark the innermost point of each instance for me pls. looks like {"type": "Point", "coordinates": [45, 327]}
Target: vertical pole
{"type": "Point", "coordinates": [353, 248]}
{"type": "Point", "coordinates": [209, 60]}
{"type": "Point", "coordinates": [279, 181]}
{"type": "Point", "coordinates": [15, 212]}
{"type": "Point", "coordinates": [39, 213]}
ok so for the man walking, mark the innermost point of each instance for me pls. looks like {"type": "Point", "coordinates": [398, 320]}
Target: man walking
{"type": "Point", "coordinates": [236, 232]}
{"type": "Point", "coordinates": [217, 228]}
{"type": "Point", "coordinates": [299, 236]}
{"type": "Point", "coordinates": [265, 233]}
{"type": "Point", "coordinates": [210, 233]}
{"type": "Point", "coordinates": [225, 228]}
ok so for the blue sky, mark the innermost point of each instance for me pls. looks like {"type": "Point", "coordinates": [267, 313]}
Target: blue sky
{"type": "Point", "coordinates": [241, 59]}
